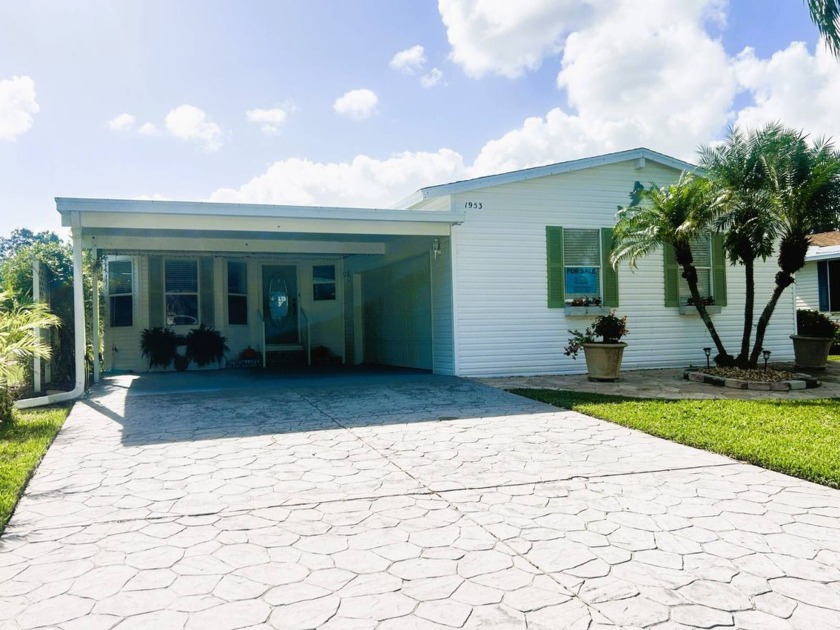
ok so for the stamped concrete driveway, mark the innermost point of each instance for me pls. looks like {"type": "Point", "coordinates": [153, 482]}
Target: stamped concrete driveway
{"type": "Point", "coordinates": [400, 501]}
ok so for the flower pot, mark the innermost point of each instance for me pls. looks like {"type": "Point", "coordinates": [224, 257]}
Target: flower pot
{"type": "Point", "coordinates": [811, 352]}
{"type": "Point", "coordinates": [603, 360]}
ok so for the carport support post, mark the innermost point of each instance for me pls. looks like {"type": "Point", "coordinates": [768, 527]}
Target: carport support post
{"type": "Point", "coordinates": [78, 303]}
{"type": "Point", "coordinates": [95, 316]}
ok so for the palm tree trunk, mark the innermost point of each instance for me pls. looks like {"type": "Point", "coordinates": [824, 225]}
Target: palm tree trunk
{"type": "Point", "coordinates": [749, 306]}
{"type": "Point", "coordinates": [783, 281]}
{"type": "Point", "coordinates": [690, 275]}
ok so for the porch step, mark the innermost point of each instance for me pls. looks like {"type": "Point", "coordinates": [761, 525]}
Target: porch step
{"type": "Point", "coordinates": [279, 359]}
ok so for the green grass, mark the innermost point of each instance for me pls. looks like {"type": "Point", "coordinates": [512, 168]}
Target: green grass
{"type": "Point", "coordinates": [796, 437]}
{"type": "Point", "coordinates": [834, 357]}
{"type": "Point", "coordinates": [22, 446]}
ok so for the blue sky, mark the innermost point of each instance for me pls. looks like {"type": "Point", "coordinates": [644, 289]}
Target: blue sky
{"type": "Point", "coordinates": [360, 102]}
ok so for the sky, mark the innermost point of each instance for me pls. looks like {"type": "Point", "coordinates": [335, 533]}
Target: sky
{"type": "Point", "coordinates": [362, 102]}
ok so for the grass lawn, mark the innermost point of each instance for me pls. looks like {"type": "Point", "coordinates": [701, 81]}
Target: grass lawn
{"type": "Point", "coordinates": [834, 357]}
{"type": "Point", "coordinates": [796, 437]}
{"type": "Point", "coordinates": [22, 445]}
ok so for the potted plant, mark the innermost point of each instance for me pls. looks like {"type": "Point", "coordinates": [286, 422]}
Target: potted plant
{"type": "Point", "coordinates": [159, 346]}
{"type": "Point", "coordinates": [813, 339]}
{"type": "Point", "coordinates": [603, 358]}
{"type": "Point", "coordinates": [205, 345]}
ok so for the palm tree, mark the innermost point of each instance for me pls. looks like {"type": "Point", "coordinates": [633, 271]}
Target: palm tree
{"type": "Point", "coordinates": [805, 180]}
{"type": "Point", "coordinates": [738, 172]}
{"type": "Point", "coordinates": [826, 15]}
{"type": "Point", "coordinates": [673, 216]}
{"type": "Point", "coordinates": [19, 324]}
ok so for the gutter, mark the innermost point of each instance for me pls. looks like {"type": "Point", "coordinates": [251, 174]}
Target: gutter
{"type": "Point", "coordinates": [79, 330]}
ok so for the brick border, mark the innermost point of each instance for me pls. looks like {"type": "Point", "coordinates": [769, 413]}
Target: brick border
{"type": "Point", "coordinates": [802, 381]}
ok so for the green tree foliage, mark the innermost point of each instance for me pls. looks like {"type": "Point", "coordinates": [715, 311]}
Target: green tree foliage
{"type": "Point", "coordinates": [19, 341]}
{"type": "Point", "coordinates": [826, 15]}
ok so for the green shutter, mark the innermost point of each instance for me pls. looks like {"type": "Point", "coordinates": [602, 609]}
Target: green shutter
{"type": "Point", "coordinates": [672, 276]}
{"type": "Point", "coordinates": [718, 270]}
{"type": "Point", "coordinates": [610, 274]}
{"type": "Point", "coordinates": [205, 265]}
{"type": "Point", "coordinates": [156, 292]}
{"type": "Point", "coordinates": [554, 257]}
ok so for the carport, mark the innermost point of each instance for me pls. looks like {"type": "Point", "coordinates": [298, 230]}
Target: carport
{"type": "Point", "coordinates": [362, 285]}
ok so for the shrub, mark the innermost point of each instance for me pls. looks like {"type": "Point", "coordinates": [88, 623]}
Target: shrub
{"type": "Point", "coordinates": [159, 345]}
{"type": "Point", "coordinates": [205, 345]}
{"type": "Point", "coordinates": [811, 323]}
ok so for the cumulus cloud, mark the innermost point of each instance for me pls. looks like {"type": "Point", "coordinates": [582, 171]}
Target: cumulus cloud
{"type": "Point", "coordinates": [357, 104]}
{"type": "Point", "coordinates": [148, 129]}
{"type": "Point", "coordinates": [190, 123]}
{"type": "Point", "coordinates": [17, 105]}
{"type": "Point", "coordinates": [510, 38]}
{"type": "Point", "coordinates": [432, 78]}
{"type": "Point", "coordinates": [364, 181]}
{"type": "Point", "coordinates": [409, 61]}
{"type": "Point", "coordinates": [793, 86]}
{"type": "Point", "coordinates": [270, 120]}
{"type": "Point", "coordinates": [626, 84]}
{"type": "Point", "coordinates": [121, 122]}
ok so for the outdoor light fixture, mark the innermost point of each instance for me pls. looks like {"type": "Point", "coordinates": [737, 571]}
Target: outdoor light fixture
{"type": "Point", "coordinates": [708, 353]}
{"type": "Point", "coordinates": [436, 247]}
{"type": "Point", "coordinates": [766, 355]}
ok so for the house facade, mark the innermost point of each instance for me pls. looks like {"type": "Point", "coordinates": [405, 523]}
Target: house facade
{"type": "Point", "coordinates": [482, 277]}
{"type": "Point", "coordinates": [818, 282]}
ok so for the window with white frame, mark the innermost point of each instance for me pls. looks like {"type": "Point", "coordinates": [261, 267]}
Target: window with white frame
{"type": "Point", "coordinates": [237, 287]}
{"type": "Point", "coordinates": [701, 251]}
{"type": "Point", "coordinates": [323, 282]}
{"type": "Point", "coordinates": [582, 264]}
{"type": "Point", "coordinates": [120, 293]}
{"type": "Point", "coordinates": [181, 289]}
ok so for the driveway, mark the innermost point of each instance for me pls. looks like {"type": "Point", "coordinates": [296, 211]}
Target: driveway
{"type": "Point", "coordinates": [400, 501]}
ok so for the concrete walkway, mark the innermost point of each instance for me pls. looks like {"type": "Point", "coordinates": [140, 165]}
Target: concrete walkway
{"type": "Point", "coordinates": [400, 501]}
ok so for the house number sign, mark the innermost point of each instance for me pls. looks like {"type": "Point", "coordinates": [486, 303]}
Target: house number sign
{"type": "Point", "coordinates": [473, 205]}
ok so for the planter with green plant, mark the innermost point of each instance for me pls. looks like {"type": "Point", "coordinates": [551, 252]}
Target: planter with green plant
{"type": "Point", "coordinates": [813, 339]}
{"type": "Point", "coordinates": [159, 346]}
{"type": "Point", "coordinates": [206, 345]}
{"type": "Point", "coordinates": [603, 358]}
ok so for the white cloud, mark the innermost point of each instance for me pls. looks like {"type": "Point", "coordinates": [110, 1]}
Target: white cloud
{"type": "Point", "coordinates": [122, 122]}
{"type": "Point", "coordinates": [509, 38]}
{"type": "Point", "coordinates": [270, 120]}
{"type": "Point", "coordinates": [432, 78]}
{"type": "Point", "coordinates": [364, 181]}
{"type": "Point", "coordinates": [357, 104]}
{"type": "Point", "coordinates": [792, 86]}
{"type": "Point", "coordinates": [152, 197]}
{"type": "Point", "coordinates": [190, 123]}
{"type": "Point", "coordinates": [17, 105]}
{"type": "Point", "coordinates": [148, 129]}
{"type": "Point", "coordinates": [628, 83]}
{"type": "Point", "coordinates": [410, 60]}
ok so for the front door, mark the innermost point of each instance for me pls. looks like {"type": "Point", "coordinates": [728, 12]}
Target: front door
{"type": "Point", "coordinates": [280, 305]}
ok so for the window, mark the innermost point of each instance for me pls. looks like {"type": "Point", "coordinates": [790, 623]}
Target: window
{"type": "Point", "coordinates": [579, 269]}
{"type": "Point", "coordinates": [237, 286]}
{"type": "Point", "coordinates": [181, 288]}
{"type": "Point", "coordinates": [710, 262]}
{"type": "Point", "coordinates": [323, 282]}
{"type": "Point", "coordinates": [828, 282]}
{"type": "Point", "coordinates": [701, 251]}
{"type": "Point", "coordinates": [120, 293]}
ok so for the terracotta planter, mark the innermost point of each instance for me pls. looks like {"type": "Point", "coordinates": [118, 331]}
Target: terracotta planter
{"type": "Point", "coordinates": [811, 352]}
{"type": "Point", "coordinates": [603, 360]}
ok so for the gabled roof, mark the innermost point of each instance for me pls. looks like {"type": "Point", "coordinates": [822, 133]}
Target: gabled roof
{"type": "Point", "coordinates": [487, 181]}
{"type": "Point", "coordinates": [825, 239]}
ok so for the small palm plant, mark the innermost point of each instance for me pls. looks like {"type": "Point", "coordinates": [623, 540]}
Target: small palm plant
{"type": "Point", "coordinates": [19, 341]}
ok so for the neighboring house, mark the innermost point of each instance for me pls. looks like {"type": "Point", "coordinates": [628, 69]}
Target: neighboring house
{"type": "Point", "coordinates": [818, 282]}
{"type": "Point", "coordinates": [473, 278]}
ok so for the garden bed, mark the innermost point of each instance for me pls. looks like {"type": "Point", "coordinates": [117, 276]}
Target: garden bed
{"type": "Point", "coordinates": [760, 380]}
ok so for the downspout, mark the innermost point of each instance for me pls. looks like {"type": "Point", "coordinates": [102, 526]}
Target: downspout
{"type": "Point", "coordinates": [79, 327]}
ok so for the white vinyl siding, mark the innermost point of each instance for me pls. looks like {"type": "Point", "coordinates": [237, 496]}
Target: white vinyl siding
{"type": "Point", "coordinates": [807, 290]}
{"type": "Point", "coordinates": [503, 323]}
{"type": "Point", "coordinates": [443, 351]}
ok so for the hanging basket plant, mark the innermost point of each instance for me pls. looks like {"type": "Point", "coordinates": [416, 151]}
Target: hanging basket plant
{"type": "Point", "coordinates": [206, 345]}
{"type": "Point", "coordinates": [159, 346]}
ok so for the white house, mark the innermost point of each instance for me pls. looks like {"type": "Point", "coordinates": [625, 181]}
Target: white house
{"type": "Point", "coordinates": [818, 282]}
{"type": "Point", "coordinates": [472, 278]}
